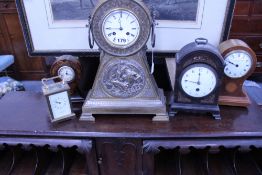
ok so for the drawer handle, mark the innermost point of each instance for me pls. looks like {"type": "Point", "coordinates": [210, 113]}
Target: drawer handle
{"type": "Point", "coordinates": [260, 45]}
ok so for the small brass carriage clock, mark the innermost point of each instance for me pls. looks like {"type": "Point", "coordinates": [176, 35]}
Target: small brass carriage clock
{"type": "Point", "coordinates": [123, 84]}
{"type": "Point", "coordinates": [58, 99]}
{"type": "Point", "coordinates": [198, 77]}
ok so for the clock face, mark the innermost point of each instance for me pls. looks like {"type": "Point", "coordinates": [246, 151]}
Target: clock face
{"type": "Point", "coordinates": [238, 64]}
{"type": "Point", "coordinates": [120, 28]}
{"type": "Point", "coordinates": [198, 80]}
{"type": "Point", "coordinates": [60, 104]}
{"type": "Point", "coordinates": [66, 73]}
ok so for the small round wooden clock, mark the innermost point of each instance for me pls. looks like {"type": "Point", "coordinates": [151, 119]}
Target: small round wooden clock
{"type": "Point", "coordinates": [69, 69]}
{"type": "Point", "coordinates": [198, 77]}
{"type": "Point", "coordinates": [240, 62]}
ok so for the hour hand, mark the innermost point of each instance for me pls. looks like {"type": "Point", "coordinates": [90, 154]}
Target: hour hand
{"type": "Point", "coordinates": [58, 102]}
{"type": "Point", "coordinates": [114, 28]}
{"type": "Point", "coordinates": [191, 81]}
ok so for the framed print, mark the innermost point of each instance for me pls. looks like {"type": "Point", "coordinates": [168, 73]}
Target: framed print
{"type": "Point", "coordinates": [55, 27]}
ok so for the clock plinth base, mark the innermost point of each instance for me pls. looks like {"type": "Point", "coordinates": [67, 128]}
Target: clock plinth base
{"type": "Point", "coordinates": [67, 117]}
{"type": "Point", "coordinates": [132, 106]}
{"type": "Point", "coordinates": [87, 117]}
{"type": "Point", "coordinates": [241, 101]}
{"type": "Point", "coordinates": [194, 108]}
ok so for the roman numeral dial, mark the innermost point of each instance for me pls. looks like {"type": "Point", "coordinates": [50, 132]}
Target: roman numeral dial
{"type": "Point", "coordinates": [120, 28]}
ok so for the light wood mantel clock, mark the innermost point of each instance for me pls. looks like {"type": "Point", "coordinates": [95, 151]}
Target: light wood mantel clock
{"type": "Point", "coordinates": [240, 62]}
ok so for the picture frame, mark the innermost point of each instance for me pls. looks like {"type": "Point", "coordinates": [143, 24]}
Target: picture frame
{"type": "Point", "coordinates": [55, 30]}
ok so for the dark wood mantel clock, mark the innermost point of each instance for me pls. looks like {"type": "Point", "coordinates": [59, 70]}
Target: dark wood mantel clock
{"type": "Point", "coordinates": [240, 62]}
{"type": "Point", "coordinates": [123, 84]}
{"type": "Point", "coordinates": [69, 69]}
{"type": "Point", "coordinates": [198, 77]}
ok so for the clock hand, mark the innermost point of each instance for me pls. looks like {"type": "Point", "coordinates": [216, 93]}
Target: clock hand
{"type": "Point", "coordinates": [232, 63]}
{"type": "Point", "coordinates": [58, 102]}
{"type": "Point", "coordinates": [110, 28]}
{"type": "Point", "coordinates": [191, 81]}
{"type": "Point", "coordinates": [198, 81]}
{"type": "Point", "coordinates": [119, 21]}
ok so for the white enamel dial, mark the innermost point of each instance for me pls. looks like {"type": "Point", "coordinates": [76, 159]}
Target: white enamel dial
{"type": "Point", "coordinates": [60, 104]}
{"type": "Point", "coordinates": [121, 28]}
{"type": "Point", "coordinates": [238, 63]}
{"type": "Point", "coordinates": [198, 80]}
{"type": "Point", "coordinates": [66, 73]}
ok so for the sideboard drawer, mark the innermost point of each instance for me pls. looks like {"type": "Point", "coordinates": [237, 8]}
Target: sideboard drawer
{"type": "Point", "coordinates": [257, 8]}
{"type": "Point", "coordinates": [243, 25]}
{"type": "Point", "coordinates": [242, 8]}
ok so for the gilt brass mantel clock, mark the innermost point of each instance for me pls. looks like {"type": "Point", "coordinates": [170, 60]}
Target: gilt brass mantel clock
{"type": "Point", "coordinates": [123, 84]}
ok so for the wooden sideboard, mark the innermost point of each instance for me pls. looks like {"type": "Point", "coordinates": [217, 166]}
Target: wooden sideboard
{"type": "Point", "coordinates": [247, 25]}
{"type": "Point", "coordinates": [131, 145]}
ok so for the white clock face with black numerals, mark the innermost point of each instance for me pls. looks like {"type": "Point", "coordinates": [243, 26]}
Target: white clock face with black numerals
{"type": "Point", "coordinates": [238, 64]}
{"type": "Point", "coordinates": [60, 104]}
{"type": "Point", "coordinates": [198, 80]}
{"type": "Point", "coordinates": [120, 28]}
{"type": "Point", "coordinates": [66, 73]}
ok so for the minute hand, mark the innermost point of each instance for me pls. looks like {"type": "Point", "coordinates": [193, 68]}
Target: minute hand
{"type": "Point", "coordinates": [232, 63]}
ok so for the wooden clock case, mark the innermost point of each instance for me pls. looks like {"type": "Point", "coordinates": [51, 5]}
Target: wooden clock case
{"type": "Point", "coordinates": [195, 53]}
{"type": "Point", "coordinates": [70, 61]}
{"type": "Point", "coordinates": [232, 92]}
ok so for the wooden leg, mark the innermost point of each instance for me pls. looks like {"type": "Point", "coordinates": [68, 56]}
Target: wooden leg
{"type": "Point", "coordinates": [216, 115]}
{"type": "Point", "coordinates": [43, 159]}
{"type": "Point", "coordinates": [91, 162]}
{"type": "Point", "coordinates": [148, 163]}
{"type": "Point", "coordinates": [68, 155]}
{"type": "Point", "coordinates": [161, 118]}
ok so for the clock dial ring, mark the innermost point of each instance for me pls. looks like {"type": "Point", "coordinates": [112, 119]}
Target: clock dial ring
{"type": "Point", "coordinates": [233, 45]}
{"type": "Point", "coordinates": [134, 7]}
{"type": "Point", "coordinates": [66, 73]}
{"type": "Point", "coordinates": [193, 88]}
{"type": "Point", "coordinates": [121, 28]}
{"type": "Point", "coordinates": [238, 63]}
{"type": "Point", "coordinates": [73, 64]}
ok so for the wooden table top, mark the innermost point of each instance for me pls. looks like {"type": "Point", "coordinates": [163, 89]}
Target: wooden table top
{"type": "Point", "coordinates": [26, 114]}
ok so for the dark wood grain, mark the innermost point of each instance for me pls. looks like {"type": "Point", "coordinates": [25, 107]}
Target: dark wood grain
{"type": "Point", "coordinates": [25, 113]}
{"type": "Point", "coordinates": [118, 139]}
{"type": "Point", "coordinates": [12, 42]}
{"type": "Point", "coordinates": [119, 156]}
{"type": "Point", "coordinates": [247, 25]}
